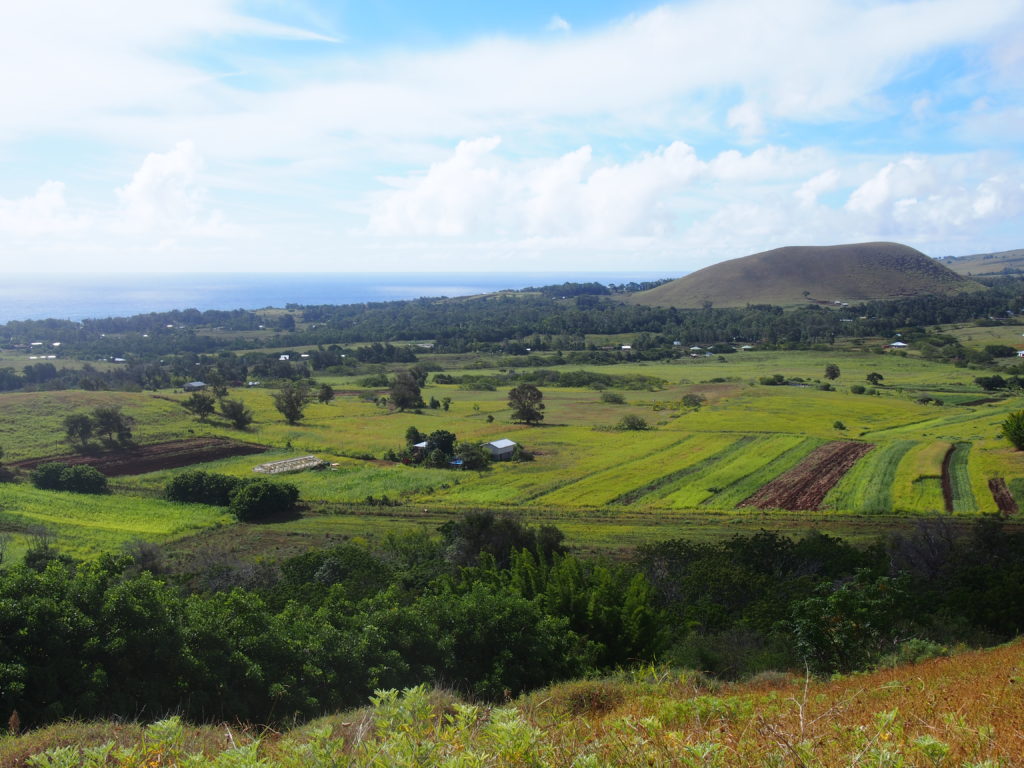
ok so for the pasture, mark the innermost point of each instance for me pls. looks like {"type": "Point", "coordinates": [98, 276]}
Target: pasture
{"type": "Point", "coordinates": [606, 487]}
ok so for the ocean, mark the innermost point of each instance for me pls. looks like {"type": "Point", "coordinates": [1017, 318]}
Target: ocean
{"type": "Point", "coordinates": [81, 296]}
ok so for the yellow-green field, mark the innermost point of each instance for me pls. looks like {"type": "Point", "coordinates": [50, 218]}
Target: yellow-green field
{"type": "Point", "coordinates": [711, 458]}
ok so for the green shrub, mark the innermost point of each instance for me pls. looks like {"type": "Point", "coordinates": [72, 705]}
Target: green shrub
{"type": "Point", "coordinates": [198, 487]}
{"type": "Point", "coordinates": [1013, 429]}
{"type": "Point", "coordinates": [260, 499]}
{"type": "Point", "coordinates": [79, 478]}
{"type": "Point", "coordinates": [613, 397]}
{"type": "Point", "coordinates": [857, 389]}
{"type": "Point", "coordinates": [632, 422]}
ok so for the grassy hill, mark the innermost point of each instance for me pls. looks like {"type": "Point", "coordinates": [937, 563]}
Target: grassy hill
{"type": "Point", "coordinates": [957, 711]}
{"type": "Point", "coordinates": [818, 274]}
{"type": "Point", "coordinates": [986, 263]}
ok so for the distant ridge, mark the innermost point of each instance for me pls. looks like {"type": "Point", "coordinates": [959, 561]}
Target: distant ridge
{"type": "Point", "coordinates": [1001, 262]}
{"type": "Point", "coordinates": [811, 274]}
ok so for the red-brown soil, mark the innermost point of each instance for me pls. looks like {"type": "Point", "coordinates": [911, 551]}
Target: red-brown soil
{"type": "Point", "coordinates": [1004, 499]}
{"type": "Point", "coordinates": [150, 458]}
{"type": "Point", "coordinates": [947, 481]}
{"type": "Point", "coordinates": [806, 484]}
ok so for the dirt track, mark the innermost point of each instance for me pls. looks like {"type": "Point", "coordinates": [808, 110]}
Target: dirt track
{"type": "Point", "coordinates": [806, 485]}
{"type": "Point", "coordinates": [150, 458]}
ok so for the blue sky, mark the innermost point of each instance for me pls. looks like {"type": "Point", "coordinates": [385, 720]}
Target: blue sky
{"type": "Point", "coordinates": [215, 135]}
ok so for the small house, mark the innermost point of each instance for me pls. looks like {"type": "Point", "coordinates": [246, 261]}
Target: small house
{"type": "Point", "coordinates": [194, 386]}
{"type": "Point", "coordinates": [501, 450]}
{"type": "Point", "coordinates": [1020, 353]}
{"type": "Point", "coordinates": [898, 345]}
{"type": "Point", "coordinates": [284, 358]}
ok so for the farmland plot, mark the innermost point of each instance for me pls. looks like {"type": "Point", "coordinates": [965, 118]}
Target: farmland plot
{"type": "Point", "coordinates": [729, 470]}
{"type": "Point", "coordinates": [805, 486]}
{"type": "Point", "coordinates": [867, 488]}
{"type": "Point", "coordinates": [737, 491]}
{"type": "Point", "coordinates": [601, 488]}
{"type": "Point", "coordinates": [917, 485]}
{"type": "Point", "coordinates": [961, 494]}
{"type": "Point", "coordinates": [656, 492]}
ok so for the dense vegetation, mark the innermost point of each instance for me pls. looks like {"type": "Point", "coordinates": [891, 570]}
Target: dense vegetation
{"type": "Point", "coordinates": [159, 349]}
{"type": "Point", "coordinates": [489, 609]}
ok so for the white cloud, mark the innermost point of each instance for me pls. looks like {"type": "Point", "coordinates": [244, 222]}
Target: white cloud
{"type": "Point", "coordinates": [558, 24]}
{"type": "Point", "coordinates": [165, 195]}
{"type": "Point", "coordinates": [807, 193]}
{"type": "Point", "coordinates": [474, 192]}
{"type": "Point", "coordinates": [44, 213]}
{"type": "Point", "coordinates": [108, 68]}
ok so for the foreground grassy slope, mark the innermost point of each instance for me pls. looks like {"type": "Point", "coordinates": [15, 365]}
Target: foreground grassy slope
{"type": "Point", "coordinates": [958, 711]}
{"type": "Point", "coordinates": [798, 274]}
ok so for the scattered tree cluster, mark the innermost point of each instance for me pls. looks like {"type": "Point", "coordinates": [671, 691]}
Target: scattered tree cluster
{"type": "Point", "coordinates": [250, 500]}
{"type": "Point", "coordinates": [105, 421]}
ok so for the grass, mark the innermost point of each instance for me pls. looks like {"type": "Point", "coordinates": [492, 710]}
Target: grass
{"type": "Point", "coordinates": [868, 487]}
{"type": "Point", "coordinates": [961, 710]}
{"type": "Point", "coordinates": [86, 525]}
{"type": "Point", "coordinates": [960, 480]}
{"type": "Point", "coordinates": [581, 465]}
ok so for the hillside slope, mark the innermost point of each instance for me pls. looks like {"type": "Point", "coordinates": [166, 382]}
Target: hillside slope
{"type": "Point", "coordinates": [1011, 262]}
{"type": "Point", "coordinates": [958, 711]}
{"type": "Point", "coordinates": [801, 274]}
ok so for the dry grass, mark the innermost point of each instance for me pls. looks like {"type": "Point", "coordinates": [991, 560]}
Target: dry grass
{"type": "Point", "coordinates": [966, 710]}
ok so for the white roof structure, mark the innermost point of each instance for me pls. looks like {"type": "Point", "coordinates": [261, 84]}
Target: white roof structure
{"type": "Point", "coordinates": [503, 443]}
{"type": "Point", "coordinates": [290, 465]}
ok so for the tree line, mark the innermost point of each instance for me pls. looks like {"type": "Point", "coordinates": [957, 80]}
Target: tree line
{"type": "Point", "coordinates": [490, 607]}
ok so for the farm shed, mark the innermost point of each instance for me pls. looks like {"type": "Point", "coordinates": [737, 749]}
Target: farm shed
{"type": "Point", "coordinates": [501, 450]}
{"type": "Point", "coordinates": [194, 386]}
{"type": "Point", "coordinates": [290, 465]}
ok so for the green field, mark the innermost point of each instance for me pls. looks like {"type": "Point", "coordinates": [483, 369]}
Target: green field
{"type": "Point", "coordinates": [585, 472]}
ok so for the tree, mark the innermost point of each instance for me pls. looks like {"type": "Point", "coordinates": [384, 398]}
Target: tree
{"type": "Point", "coordinates": [405, 392]}
{"type": "Point", "coordinates": [632, 422]}
{"type": "Point", "coordinates": [291, 400]}
{"type": "Point", "coordinates": [261, 498]}
{"type": "Point", "coordinates": [526, 402]}
{"type": "Point", "coordinates": [413, 436]}
{"type": "Point", "coordinates": [78, 428]}
{"type": "Point", "coordinates": [200, 404]}
{"type": "Point", "coordinates": [874, 377]}
{"type": "Point", "coordinates": [109, 422]}
{"type": "Point", "coordinates": [236, 412]}
{"type": "Point", "coordinates": [1013, 429]}
{"type": "Point", "coordinates": [473, 455]}
{"type": "Point", "coordinates": [831, 371]}
{"type": "Point", "coordinates": [325, 394]}
{"type": "Point", "coordinates": [441, 440]}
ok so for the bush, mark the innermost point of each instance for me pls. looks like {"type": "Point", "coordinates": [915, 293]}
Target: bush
{"type": "Point", "coordinates": [198, 487]}
{"type": "Point", "coordinates": [1013, 429]}
{"type": "Point", "coordinates": [838, 425]}
{"type": "Point", "coordinates": [260, 499]}
{"type": "Point", "coordinates": [613, 397]}
{"type": "Point", "coordinates": [79, 478]}
{"type": "Point", "coordinates": [857, 389]}
{"type": "Point", "coordinates": [82, 478]}
{"type": "Point", "coordinates": [632, 422]}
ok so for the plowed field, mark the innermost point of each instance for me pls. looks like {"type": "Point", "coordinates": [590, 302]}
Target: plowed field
{"type": "Point", "coordinates": [150, 458]}
{"type": "Point", "coordinates": [805, 485]}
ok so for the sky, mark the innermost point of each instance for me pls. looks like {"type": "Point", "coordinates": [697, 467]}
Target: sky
{"type": "Point", "coordinates": [572, 135]}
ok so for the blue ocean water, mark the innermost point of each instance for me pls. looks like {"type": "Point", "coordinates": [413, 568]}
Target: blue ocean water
{"type": "Point", "coordinates": [80, 296]}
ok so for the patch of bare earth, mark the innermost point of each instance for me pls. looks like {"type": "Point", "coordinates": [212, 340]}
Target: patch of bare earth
{"type": "Point", "coordinates": [806, 485]}
{"type": "Point", "coordinates": [1003, 498]}
{"type": "Point", "coordinates": [151, 458]}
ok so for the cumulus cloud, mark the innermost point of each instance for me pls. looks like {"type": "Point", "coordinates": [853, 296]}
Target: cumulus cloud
{"type": "Point", "coordinates": [475, 192]}
{"type": "Point", "coordinates": [165, 195]}
{"type": "Point", "coordinates": [807, 193]}
{"type": "Point", "coordinates": [45, 212]}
